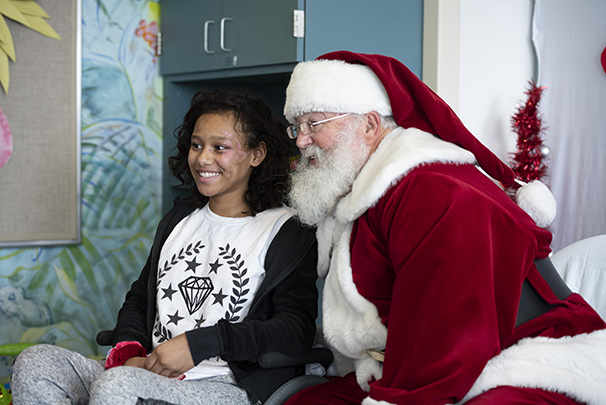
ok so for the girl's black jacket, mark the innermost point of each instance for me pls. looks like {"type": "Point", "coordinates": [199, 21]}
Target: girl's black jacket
{"type": "Point", "coordinates": [281, 318]}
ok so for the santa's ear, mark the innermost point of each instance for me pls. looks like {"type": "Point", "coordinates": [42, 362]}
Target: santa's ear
{"type": "Point", "coordinates": [372, 127]}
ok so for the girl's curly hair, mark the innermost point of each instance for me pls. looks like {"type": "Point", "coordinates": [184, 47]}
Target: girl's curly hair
{"type": "Point", "coordinates": [268, 184]}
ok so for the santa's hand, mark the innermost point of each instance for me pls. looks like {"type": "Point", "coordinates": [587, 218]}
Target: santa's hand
{"type": "Point", "coordinates": [171, 359]}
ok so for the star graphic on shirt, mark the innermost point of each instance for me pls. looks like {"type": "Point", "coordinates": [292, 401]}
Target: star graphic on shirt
{"type": "Point", "coordinates": [214, 266]}
{"type": "Point", "coordinates": [168, 292]}
{"type": "Point", "coordinates": [175, 318]}
{"type": "Point", "coordinates": [219, 297]}
{"type": "Point", "coordinates": [199, 322]}
{"type": "Point", "coordinates": [191, 265]}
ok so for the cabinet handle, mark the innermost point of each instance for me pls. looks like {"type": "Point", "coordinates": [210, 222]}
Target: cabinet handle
{"type": "Point", "coordinates": [223, 21]}
{"type": "Point", "coordinates": [206, 24]}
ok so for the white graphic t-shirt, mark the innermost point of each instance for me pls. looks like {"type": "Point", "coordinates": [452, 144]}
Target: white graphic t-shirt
{"type": "Point", "coordinates": [210, 268]}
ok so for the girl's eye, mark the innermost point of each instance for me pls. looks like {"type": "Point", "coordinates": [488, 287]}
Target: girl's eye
{"type": "Point", "coordinates": [220, 147]}
{"type": "Point", "coordinates": [195, 145]}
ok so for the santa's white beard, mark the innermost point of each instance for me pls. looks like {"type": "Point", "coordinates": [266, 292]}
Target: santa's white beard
{"type": "Point", "coordinates": [316, 189]}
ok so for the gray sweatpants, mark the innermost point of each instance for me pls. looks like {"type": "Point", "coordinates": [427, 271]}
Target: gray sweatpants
{"type": "Point", "coordinates": [45, 374]}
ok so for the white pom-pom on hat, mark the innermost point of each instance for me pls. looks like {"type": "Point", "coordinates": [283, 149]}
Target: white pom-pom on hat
{"type": "Point", "coordinates": [538, 202]}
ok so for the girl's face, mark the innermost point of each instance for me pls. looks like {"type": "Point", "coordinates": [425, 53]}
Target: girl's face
{"type": "Point", "coordinates": [221, 163]}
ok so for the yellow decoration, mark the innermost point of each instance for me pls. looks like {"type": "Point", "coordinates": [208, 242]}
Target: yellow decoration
{"type": "Point", "coordinates": [28, 13]}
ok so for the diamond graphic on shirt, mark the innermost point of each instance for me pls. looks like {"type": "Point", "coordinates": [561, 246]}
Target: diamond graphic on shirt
{"type": "Point", "coordinates": [195, 291]}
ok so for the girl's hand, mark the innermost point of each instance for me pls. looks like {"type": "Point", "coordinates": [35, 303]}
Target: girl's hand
{"type": "Point", "coordinates": [135, 362]}
{"type": "Point", "coordinates": [171, 359]}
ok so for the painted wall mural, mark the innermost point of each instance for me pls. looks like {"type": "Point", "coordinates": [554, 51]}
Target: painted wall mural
{"type": "Point", "coordinates": [64, 295]}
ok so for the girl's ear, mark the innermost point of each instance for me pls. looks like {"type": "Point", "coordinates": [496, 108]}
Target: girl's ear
{"type": "Point", "coordinates": [259, 153]}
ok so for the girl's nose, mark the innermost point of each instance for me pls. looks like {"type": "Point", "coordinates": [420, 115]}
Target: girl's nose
{"type": "Point", "coordinates": [205, 156]}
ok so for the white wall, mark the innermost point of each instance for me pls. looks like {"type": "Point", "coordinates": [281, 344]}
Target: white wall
{"type": "Point", "coordinates": [478, 56]}
{"type": "Point", "coordinates": [496, 62]}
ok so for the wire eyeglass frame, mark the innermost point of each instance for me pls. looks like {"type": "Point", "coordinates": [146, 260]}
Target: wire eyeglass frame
{"type": "Point", "coordinates": [307, 127]}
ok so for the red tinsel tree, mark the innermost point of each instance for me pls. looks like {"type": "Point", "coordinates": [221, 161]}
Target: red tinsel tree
{"type": "Point", "coordinates": [527, 163]}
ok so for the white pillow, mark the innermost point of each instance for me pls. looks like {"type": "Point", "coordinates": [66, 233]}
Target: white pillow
{"type": "Point", "coordinates": [582, 265]}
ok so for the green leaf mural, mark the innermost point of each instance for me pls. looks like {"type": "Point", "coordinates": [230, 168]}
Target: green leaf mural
{"type": "Point", "coordinates": [64, 295]}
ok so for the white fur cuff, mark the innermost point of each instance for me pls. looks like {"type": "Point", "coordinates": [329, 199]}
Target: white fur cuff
{"type": "Point", "coordinates": [367, 369]}
{"type": "Point", "coordinates": [573, 365]}
{"type": "Point", "coordinates": [370, 401]}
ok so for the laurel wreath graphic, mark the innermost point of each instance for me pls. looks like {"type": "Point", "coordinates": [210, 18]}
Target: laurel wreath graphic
{"type": "Point", "coordinates": [188, 251]}
{"type": "Point", "coordinates": [239, 282]}
{"type": "Point", "coordinates": [161, 332]}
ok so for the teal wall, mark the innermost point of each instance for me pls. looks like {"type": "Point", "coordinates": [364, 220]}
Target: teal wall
{"type": "Point", "coordinates": [63, 295]}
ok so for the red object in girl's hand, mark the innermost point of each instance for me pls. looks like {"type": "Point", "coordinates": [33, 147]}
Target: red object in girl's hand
{"type": "Point", "coordinates": [123, 351]}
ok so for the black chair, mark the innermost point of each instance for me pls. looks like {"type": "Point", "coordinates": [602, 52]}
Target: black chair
{"type": "Point", "coordinates": [319, 355]}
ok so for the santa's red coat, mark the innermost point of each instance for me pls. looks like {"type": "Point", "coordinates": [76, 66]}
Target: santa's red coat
{"type": "Point", "coordinates": [425, 258]}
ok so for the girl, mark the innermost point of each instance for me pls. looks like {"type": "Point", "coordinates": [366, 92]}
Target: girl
{"type": "Point", "coordinates": [230, 276]}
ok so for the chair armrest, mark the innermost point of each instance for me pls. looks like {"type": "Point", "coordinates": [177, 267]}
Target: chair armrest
{"type": "Point", "coordinates": [320, 355]}
{"type": "Point", "coordinates": [105, 337]}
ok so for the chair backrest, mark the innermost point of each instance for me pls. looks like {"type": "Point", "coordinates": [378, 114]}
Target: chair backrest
{"type": "Point", "coordinates": [582, 265]}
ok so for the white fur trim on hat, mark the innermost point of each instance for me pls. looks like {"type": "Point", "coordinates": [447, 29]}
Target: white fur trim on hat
{"type": "Point", "coordinates": [334, 86]}
{"type": "Point", "coordinates": [538, 202]}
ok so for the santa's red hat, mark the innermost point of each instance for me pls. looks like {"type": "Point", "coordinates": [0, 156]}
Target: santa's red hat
{"type": "Point", "coordinates": [347, 82]}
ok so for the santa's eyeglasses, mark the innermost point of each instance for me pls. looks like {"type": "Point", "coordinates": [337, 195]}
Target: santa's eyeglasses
{"type": "Point", "coordinates": [307, 127]}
